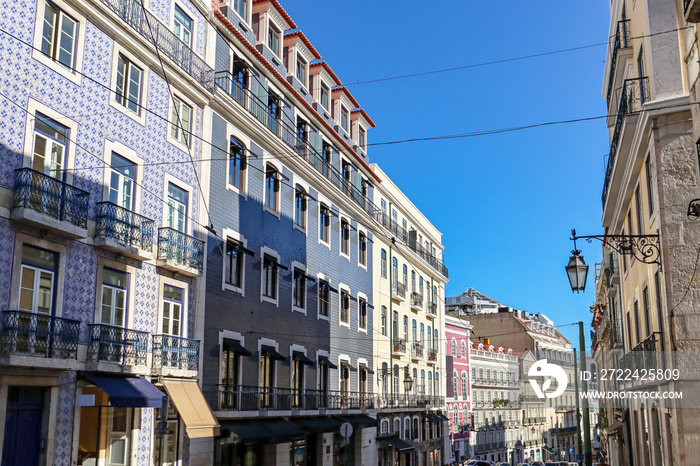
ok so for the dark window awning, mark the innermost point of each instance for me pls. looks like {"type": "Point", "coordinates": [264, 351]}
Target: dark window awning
{"type": "Point", "coordinates": [326, 362]}
{"type": "Point", "coordinates": [359, 421]}
{"type": "Point", "coordinates": [127, 391]}
{"type": "Point", "coordinates": [270, 351]}
{"type": "Point", "coordinates": [346, 365]}
{"type": "Point", "coordinates": [240, 248]}
{"type": "Point", "coordinates": [318, 425]}
{"type": "Point", "coordinates": [432, 418]}
{"type": "Point", "coordinates": [442, 417]}
{"type": "Point", "coordinates": [415, 445]}
{"type": "Point", "coordinates": [303, 359]}
{"type": "Point", "coordinates": [397, 443]}
{"type": "Point", "coordinates": [366, 369]}
{"type": "Point", "coordinates": [236, 347]}
{"type": "Point", "coordinates": [276, 263]}
{"type": "Point", "coordinates": [277, 431]}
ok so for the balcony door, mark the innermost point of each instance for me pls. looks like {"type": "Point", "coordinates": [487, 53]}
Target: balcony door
{"type": "Point", "coordinates": [121, 183]}
{"type": "Point", "coordinates": [50, 146]}
{"type": "Point", "coordinates": [176, 217]}
{"type": "Point", "coordinates": [36, 297]}
{"type": "Point", "coordinates": [119, 432]}
{"type": "Point", "coordinates": [113, 314]}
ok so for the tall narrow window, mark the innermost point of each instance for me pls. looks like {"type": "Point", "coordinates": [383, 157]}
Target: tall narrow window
{"type": "Point", "coordinates": [50, 146]}
{"type": "Point", "coordinates": [640, 215]}
{"type": "Point", "coordinates": [240, 7]}
{"type": "Point", "coordinates": [324, 297]}
{"type": "Point", "coordinates": [273, 39]}
{"type": "Point", "coordinates": [233, 272]}
{"type": "Point", "coordinates": [301, 71]}
{"type": "Point", "coordinates": [267, 376]}
{"type": "Point", "coordinates": [405, 328]}
{"type": "Point", "coordinates": [405, 275]}
{"type": "Point", "coordinates": [326, 156]}
{"type": "Point", "coordinates": [647, 311]}
{"type": "Point", "coordinates": [650, 184]}
{"type": "Point", "coordinates": [300, 207]}
{"type": "Point", "coordinates": [59, 36]}
{"type": "Point", "coordinates": [37, 280]}
{"type": "Point", "coordinates": [362, 313]}
{"type": "Point", "coordinates": [382, 263]}
{"type": "Point", "coordinates": [362, 246]}
{"type": "Point", "coordinates": [236, 163]}
{"type": "Point", "coordinates": [344, 119]}
{"type": "Point", "coordinates": [414, 332]}
{"type": "Point", "coordinates": [172, 310]}
{"type": "Point", "coordinates": [121, 184]}
{"type": "Point", "coordinates": [273, 112]}
{"type": "Point", "coordinates": [394, 271]}
{"type": "Point", "coordinates": [659, 313]}
{"type": "Point", "coordinates": [272, 188]}
{"type": "Point", "coordinates": [324, 224]}
{"type": "Point", "coordinates": [383, 320]}
{"type": "Point", "coordinates": [239, 80]}
{"type": "Point", "coordinates": [182, 26]}
{"type": "Point", "coordinates": [129, 78]}
{"type": "Point", "coordinates": [114, 297]}
{"type": "Point", "coordinates": [180, 121]}
{"type": "Point", "coordinates": [177, 208]}
{"type": "Point", "coordinates": [346, 172]}
{"type": "Point", "coordinates": [345, 237]}
{"type": "Point", "coordinates": [269, 277]}
{"type": "Point", "coordinates": [299, 289]}
{"type": "Point", "coordinates": [297, 378]}
{"type": "Point", "coordinates": [344, 307]}
{"type": "Point", "coordinates": [302, 137]}
{"type": "Point", "coordinates": [637, 330]}
{"type": "Point", "coordinates": [361, 138]}
{"type": "Point", "coordinates": [325, 92]}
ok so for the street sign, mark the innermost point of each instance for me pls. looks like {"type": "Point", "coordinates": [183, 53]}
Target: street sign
{"type": "Point", "coordinates": [571, 450]}
{"type": "Point", "coordinates": [346, 430]}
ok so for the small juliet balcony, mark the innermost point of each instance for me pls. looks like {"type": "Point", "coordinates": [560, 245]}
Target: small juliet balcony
{"type": "Point", "coordinates": [432, 356]}
{"type": "Point", "coordinates": [179, 252]}
{"type": "Point", "coordinates": [399, 346]}
{"type": "Point", "coordinates": [38, 340]}
{"type": "Point", "coordinates": [431, 310]}
{"type": "Point", "coordinates": [417, 351]}
{"type": "Point", "coordinates": [399, 292]}
{"type": "Point", "coordinates": [45, 202]}
{"type": "Point", "coordinates": [416, 301]}
{"type": "Point", "coordinates": [117, 349]}
{"type": "Point", "coordinates": [175, 356]}
{"type": "Point", "coordinates": [121, 230]}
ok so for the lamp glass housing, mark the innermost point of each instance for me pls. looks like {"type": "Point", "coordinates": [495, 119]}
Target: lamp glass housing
{"type": "Point", "coordinates": [577, 271]}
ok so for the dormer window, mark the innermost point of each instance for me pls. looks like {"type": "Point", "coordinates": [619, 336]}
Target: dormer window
{"type": "Point", "coordinates": [301, 71]}
{"type": "Point", "coordinates": [241, 6]}
{"type": "Point", "coordinates": [273, 39]}
{"type": "Point", "coordinates": [344, 119]}
{"type": "Point", "coordinates": [361, 139]}
{"type": "Point", "coordinates": [325, 93]}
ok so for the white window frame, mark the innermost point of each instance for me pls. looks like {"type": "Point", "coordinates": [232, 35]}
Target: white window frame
{"type": "Point", "coordinates": [362, 230]}
{"type": "Point", "coordinates": [195, 23]}
{"type": "Point", "coordinates": [297, 181]}
{"type": "Point", "coordinates": [344, 358]}
{"type": "Point", "coordinates": [130, 155]}
{"type": "Point", "coordinates": [342, 217]}
{"type": "Point", "coordinates": [184, 313]}
{"type": "Point", "coordinates": [74, 76]}
{"type": "Point", "coordinates": [233, 132]}
{"type": "Point", "coordinates": [130, 295]}
{"type": "Point", "coordinates": [305, 76]}
{"type": "Point", "coordinates": [293, 266]}
{"type": "Point", "coordinates": [321, 199]}
{"type": "Point", "coordinates": [280, 175]}
{"type": "Point", "coordinates": [230, 335]}
{"type": "Point", "coordinates": [119, 50]}
{"type": "Point", "coordinates": [193, 121]}
{"type": "Point", "coordinates": [229, 234]}
{"type": "Point", "coordinates": [167, 179]}
{"type": "Point", "coordinates": [59, 274]}
{"type": "Point", "coordinates": [279, 29]}
{"type": "Point", "coordinates": [294, 348]}
{"type": "Point", "coordinates": [344, 288]}
{"type": "Point", "coordinates": [264, 250]}
{"type": "Point", "coordinates": [327, 279]}
{"type": "Point", "coordinates": [362, 296]}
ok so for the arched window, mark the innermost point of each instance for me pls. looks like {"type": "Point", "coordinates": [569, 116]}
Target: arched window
{"type": "Point", "coordinates": [385, 377]}
{"type": "Point", "coordinates": [415, 381]}
{"type": "Point", "coordinates": [430, 339]}
{"type": "Point", "coordinates": [405, 275]}
{"type": "Point", "coordinates": [422, 334]}
{"type": "Point", "coordinates": [414, 332]}
{"type": "Point", "coordinates": [454, 347]}
{"type": "Point", "coordinates": [382, 263]}
{"type": "Point", "coordinates": [455, 385]}
{"type": "Point", "coordinates": [236, 164]}
{"type": "Point", "coordinates": [464, 350]}
{"type": "Point", "coordinates": [397, 426]}
{"type": "Point", "coordinates": [385, 426]}
{"type": "Point", "coordinates": [464, 383]}
{"type": "Point", "coordinates": [300, 207]}
{"type": "Point", "coordinates": [488, 375]}
{"type": "Point", "coordinates": [437, 384]}
{"type": "Point", "coordinates": [416, 434]}
{"type": "Point", "coordinates": [395, 376]}
{"type": "Point", "coordinates": [422, 381]}
{"type": "Point", "coordinates": [272, 187]}
{"type": "Point", "coordinates": [430, 383]}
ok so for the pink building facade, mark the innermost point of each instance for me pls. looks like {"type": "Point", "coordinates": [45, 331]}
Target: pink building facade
{"type": "Point", "coordinates": [458, 390]}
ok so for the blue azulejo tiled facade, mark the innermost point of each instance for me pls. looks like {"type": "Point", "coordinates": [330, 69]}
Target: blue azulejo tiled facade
{"type": "Point", "coordinates": [100, 245]}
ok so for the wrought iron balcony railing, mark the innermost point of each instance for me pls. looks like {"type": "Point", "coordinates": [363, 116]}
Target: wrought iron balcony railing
{"type": "Point", "coordinates": [399, 345]}
{"type": "Point", "coordinates": [400, 290]}
{"type": "Point", "coordinates": [417, 350]}
{"type": "Point", "coordinates": [419, 400]}
{"type": "Point", "coordinates": [634, 93]}
{"type": "Point", "coordinates": [147, 25]}
{"type": "Point", "coordinates": [432, 355]}
{"type": "Point", "coordinates": [251, 398]}
{"type": "Point", "coordinates": [183, 249]}
{"type": "Point", "coordinates": [533, 420]}
{"type": "Point", "coordinates": [39, 335]}
{"type": "Point", "coordinates": [646, 355]}
{"type": "Point", "coordinates": [416, 299]}
{"type": "Point", "coordinates": [622, 41]}
{"type": "Point", "coordinates": [50, 196]}
{"type": "Point", "coordinates": [432, 309]}
{"type": "Point", "coordinates": [124, 226]}
{"type": "Point", "coordinates": [116, 344]}
{"type": "Point", "coordinates": [175, 353]}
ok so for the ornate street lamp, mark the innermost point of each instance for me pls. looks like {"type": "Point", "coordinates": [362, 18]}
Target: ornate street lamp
{"type": "Point", "coordinates": [407, 380]}
{"type": "Point", "coordinates": [577, 270]}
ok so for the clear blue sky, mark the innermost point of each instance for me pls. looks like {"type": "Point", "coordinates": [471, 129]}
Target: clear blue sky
{"type": "Point", "coordinates": [505, 203]}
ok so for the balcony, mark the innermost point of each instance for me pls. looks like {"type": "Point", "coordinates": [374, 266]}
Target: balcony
{"type": "Point", "coordinates": [532, 443]}
{"type": "Point", "coordinates": [633, 94]}
{"type": "Point", "coordinates": [431, 309]}
{"type": "Point", "coordinates": [26, 337]}
{"type": "Point", "coordinates": [123, 231]}
{"type": "Point", "coordinates": [432, 356]}
{"type": "Point", "coordinates": [111, 346]}
{"type": "Point", "coordinates": [622, 41]}
{"type": "Point", "coordinates": [416, 301]}
{"type": "Point", "coordinates": [399, 292]}
{"type": "Point", "coordinates": [564, 408]}
{"type": "Point", "coordinates": [250, 398]}
{"type": "Point", "coordinates": [179, 252]}
{"type": "Point", "coordinates": [420, 401]}
{"type": "Point", "coordinates": [564, 430]}
{"type": "Point", "coordinates": [175, 356]}
{"type": "Point", "coordinates": [691, 11]}
{"type": "Point", "coordinates": [533, 420]}
{"type": "Point", "coordinates": [646, 355]}
{"type": "Point", "coordinates": [167, 43]}
{"type": "Point", "coordinates": [417, 351]}
{"type": "Point", "coordinates": [49, 204]}
{"type": "Point", "coordinates": [399, 346]}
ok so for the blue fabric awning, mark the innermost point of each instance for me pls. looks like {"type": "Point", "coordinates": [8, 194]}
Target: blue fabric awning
{"type": "Point", "coordinates": [127, 391]}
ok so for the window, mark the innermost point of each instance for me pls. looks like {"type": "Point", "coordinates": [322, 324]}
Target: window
{"type": "Point", "coordinates": [302, 136]}
{"type": "Point", "coordinates": [382, 263]}
{"type": "Point", "coordinates": [362, 313]}
{"type": "Point", "coordinates": [325, 92]}
{"type": "Point", "coordinates": [297, 377]}
{"type": "Point", "coordinates": [344, 119]}
{"type": "Point", "coordinates": [50, 146]}
{"type": "Point", "coordinates": [173, 299]}
{"type": "Point", "coordinates": [344, 307]}
{"type": "Point", "coordinates": [236, 164]}
{"type": "Point", "coordinates": [454, 383]}
{"type": "Point", "coordinates": [647, 310]}
{"type": "Point", "coordinates": [182, 26]}
{"type": "Point", "coordinates": [267, 375]}
{"type": "Point", "coordinates": [269, 284]}
{"type": "Point", "coordinates": [394, 271]}
{"type": "Point", "coordinates": [59, 36]}
{"type": "Point", "coordinates": [362, 246]}
{"type": "Point", "coordinates": [361, 138]}
{"type": "Point", "coordinates": [240, 7]}
{"type": "Point", "coordinates": [129, 79]}
{"type": "Point", "coordinates": [638, 205]}
{"type": "Point", "coordinates": [273, 39]}
{"type": "Point", "coordinates": [324, 224]}
{"type": "Point", "coordinates": [405, 328]}
{"type": "Point", "coordinates": [114, 297]}
{"type": "Point", "coordinates": [454, 347]}
{"type": "Point", "coordinates": [422, 334]}
{"type": "Point", "coordinates": [650, 192]}
{"type": "Point", "coordinates": [383, 320]}
{"type": "Point", "coordinates": [299, 289]}
{"type": "Point", "coordinates": [301, 71]}
{"type": "Point", "coordinates": [273, 111]}
{"type": "Point", "coordinates": [233, 264]}
{"type": "Point", "coordinates": [37, 282]}
{"type": "Point", "coordinates": [177, 208]}
{"type": "Point", "coordinates": [239, 80]}
{"type": "Point", "coordinates": [121, 184]}
{"type": "Point", "coordinates": [181, 121]}
{"type": "Point", "coordinates": [405, 275]}
{"type": "Point", "coordinates": [230, 363]}
{"type": "Point", "coordinates": [326, 159]}
{"type": "Point", "coordinates": [345, 237]}
{"type": "Point", "coordinates": [272, 188]}
{"type": "Point", "coordinates": [464, 349]}
{"type": "Point", "coordinates": [414, 331]}
{"type": "Point", "coordinates": [345, 173]}
{"type": "Point", "coordinates": [300, 207]}
{"type": "Point", "coordinates": [324, 297]}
